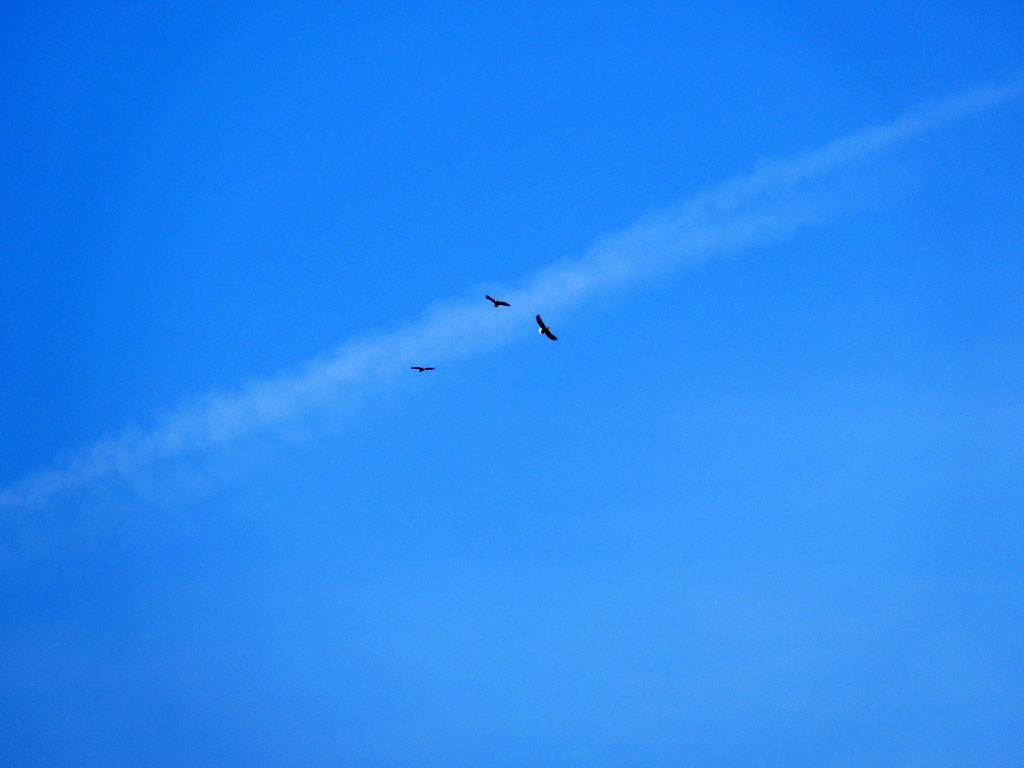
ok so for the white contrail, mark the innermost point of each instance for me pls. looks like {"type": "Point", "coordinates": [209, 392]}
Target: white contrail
{"type": "Point", "coordinates": [743, 211]}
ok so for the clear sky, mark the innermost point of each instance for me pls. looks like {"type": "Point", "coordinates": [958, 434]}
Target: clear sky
{"type": "Point", "coordinates": [760, 504]}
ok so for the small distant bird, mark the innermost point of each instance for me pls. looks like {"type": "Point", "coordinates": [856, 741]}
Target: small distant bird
{"type": "Point", "coordinates": [545, 330]}
{"type": "Point", "coordinates": [420, 368]}
{"type": "Point", "coordinates": [497, 303]}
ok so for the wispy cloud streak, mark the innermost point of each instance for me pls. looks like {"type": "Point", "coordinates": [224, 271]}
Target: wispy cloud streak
{"type": "Point", "coordinates": [741, 212]}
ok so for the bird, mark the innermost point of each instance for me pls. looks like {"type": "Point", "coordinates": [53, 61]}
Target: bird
{"type": "Point", "coordinates": [420, 368]}
{"type": "Point", "coordinates": [545, 330]}
{"type": "Point", "coordinates": [497, 303]}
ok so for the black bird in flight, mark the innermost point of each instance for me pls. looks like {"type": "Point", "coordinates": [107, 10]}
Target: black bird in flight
{"type": "Point", "coordinates": [420, 368]}
{"type": "Point", "coordinates": [545, 330]}
{"type": "Point", "coordinates": [497, 303]}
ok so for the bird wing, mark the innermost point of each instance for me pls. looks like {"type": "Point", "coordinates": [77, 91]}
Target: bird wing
{"type": "Point", "coordinates": [416, 367]}
{"type": "Point", "coordinates": [550, 335]}
{"type": "Point", "coordinates": [541, 323]}
{"type": "Point", "coordinates": [428, 369]}
{"type": "Point", "coordinates": [502, 304]}
{"type": "Point", "coordinates": [488, 298]}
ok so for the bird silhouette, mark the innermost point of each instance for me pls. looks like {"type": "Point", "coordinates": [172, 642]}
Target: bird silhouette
{"type": "Point", "coordinates": [545, 330]}
{"type": "Point", "coordinates": [497, 303]}
{"type": "Point", "coordinates": [420, 368]}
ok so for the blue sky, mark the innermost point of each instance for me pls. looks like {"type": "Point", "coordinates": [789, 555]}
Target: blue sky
{"type": "Point", "coordinates": [758, 505]}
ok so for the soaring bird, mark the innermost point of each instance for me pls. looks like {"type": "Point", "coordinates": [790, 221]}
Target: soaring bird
{"type": "Point", "coordinates": [545, 330]}
{"type": "Point", "coordinates": [497, 303]}
{"type": "Point", "coordinates": [420, 368]}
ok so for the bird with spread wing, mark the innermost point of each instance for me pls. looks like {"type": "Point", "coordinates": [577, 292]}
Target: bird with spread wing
{"type": "Point", "coordinates": [545, 330]}
{"type": "Point", "coordinates": [497, 302]}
